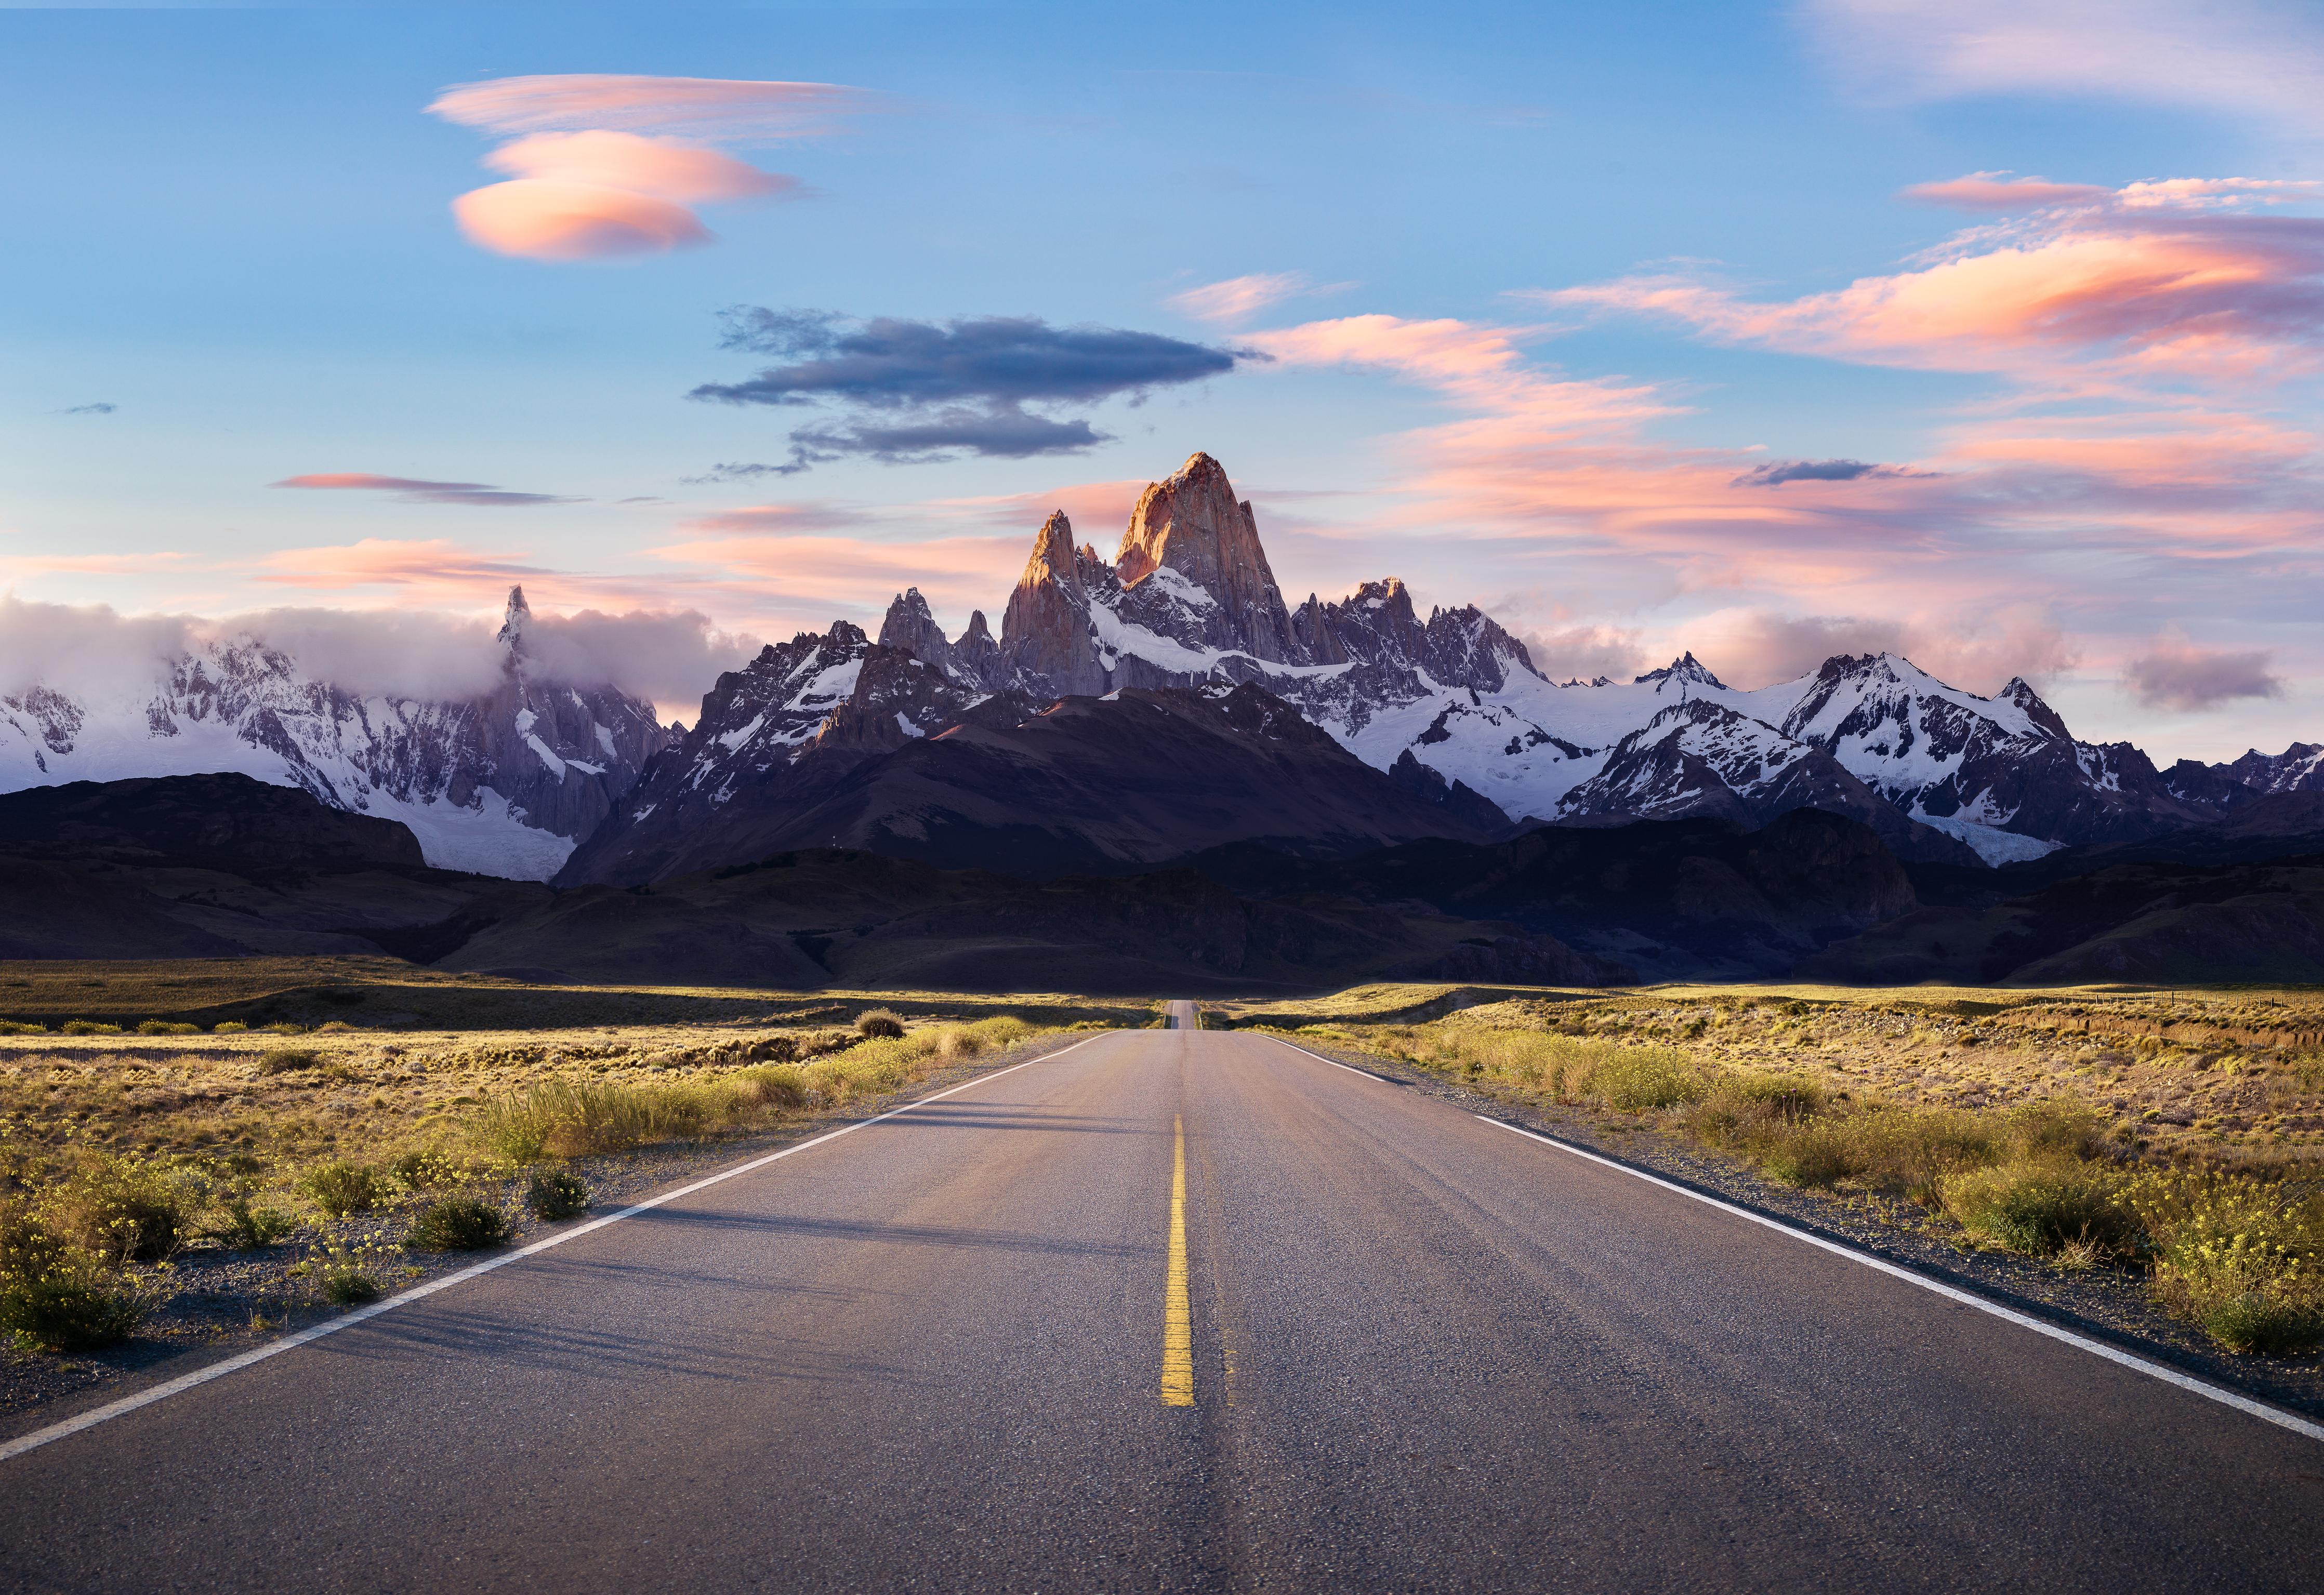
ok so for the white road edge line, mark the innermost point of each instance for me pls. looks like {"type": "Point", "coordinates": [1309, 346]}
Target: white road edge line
{"type": "Point", "coordinates": [2169, 1376]}
{"type": "Point", "coordinates": [184, 1382]}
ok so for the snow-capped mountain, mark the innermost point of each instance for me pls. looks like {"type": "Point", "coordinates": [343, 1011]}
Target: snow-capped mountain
{"type": "Point", "coordinates": [1189, 599]}
{"type": "Point", "coordinates": [504, 784]}
{"type": "Point", "coordinates": [1450, 709]}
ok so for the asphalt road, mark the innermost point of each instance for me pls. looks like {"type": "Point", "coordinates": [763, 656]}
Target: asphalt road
{"type": "Point", "coordinates": [1423, 1353]}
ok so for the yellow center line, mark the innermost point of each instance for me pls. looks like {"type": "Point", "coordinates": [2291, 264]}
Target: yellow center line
{"type": "Point", "coordinates": [1177, 1322]}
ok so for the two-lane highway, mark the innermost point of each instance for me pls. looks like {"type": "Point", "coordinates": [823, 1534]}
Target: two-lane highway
{"type": "Point", "coordinates": [1175, 1309]}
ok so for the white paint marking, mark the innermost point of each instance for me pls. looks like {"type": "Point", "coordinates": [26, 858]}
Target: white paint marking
{"type": "Point", "coordinates": [184, 1382]}
{"type": "Point", "coordinates": [2169, 1376]}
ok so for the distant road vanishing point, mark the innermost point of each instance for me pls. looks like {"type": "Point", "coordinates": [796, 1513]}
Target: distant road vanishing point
{"type": "Point", "coordinates": [1174, 1310]}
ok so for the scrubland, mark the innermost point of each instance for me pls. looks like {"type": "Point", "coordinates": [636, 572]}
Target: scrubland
{"type": "Point", "coordinates": [201, 1176]}
{"type": "Point", "coordinates": [2176, 1134]}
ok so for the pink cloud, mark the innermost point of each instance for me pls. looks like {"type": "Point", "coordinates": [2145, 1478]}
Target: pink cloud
{"type": "Point", "coordinates": [415, 490]}
{"type": "Point", "coordinates": [1997, 190]}
{"type": "Point", "coordinates": [957, 573]}
{"type": "Point", "coordinates": [682, 174]}
{"type": "Point", "coordinates": [702, 108]}
{"type": "Point", "coordinates": [436, 564]}
{"type": "Point", "coordinates": [600, 172]}
{"type": "Point", "coordinates": [2156, 280]}
{"type": "Point", "coordinates": [552, 221]}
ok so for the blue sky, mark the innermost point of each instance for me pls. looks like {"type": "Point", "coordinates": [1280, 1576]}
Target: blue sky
{"type": "Point", "coordinates": [1553, 279]}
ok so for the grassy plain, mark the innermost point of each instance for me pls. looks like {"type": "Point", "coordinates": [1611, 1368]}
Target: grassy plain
{"type": "Point", "coordinates": [2180, 1133]}
{"type": "Point", "coordinates": [272, 1135]}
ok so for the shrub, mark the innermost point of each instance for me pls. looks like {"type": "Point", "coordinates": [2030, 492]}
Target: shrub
{"type": "Point", "coordinates": [342, 1188]}
{"type": "Point", "coordinates": [126, 1209]}
{"type": "Point", "coordinates": [557, 1196]}
{"type": "Point", "coordinates": [2039, 1209]}
{"type": "Point", "coordinates": [228, 1027]}
{"type": "Point", "coordinates": [458, 1223]}
{"type": "Point", "coordinates": [350, 1287]}
{"type": "Point", "coordinates": [87, 1027]}
{"type": "Point", "coordinates": [245, 1228]}
{"type": "Point", "coordinates": [69, 1310]}
{"type": "Point", "coordinates": [427, 1170]}
{"type": "Point", "coordinates": [29, 1249]}
{"type": "Point", "coordinates": [165, 1028]}
{"type": "Point", "coordinates": [278, 1060]}
{"type": "Point", "coordinates": [2242, 1258]}
{"type": "Point", "coordinates": [879, 1025]}
{"type": "Point", "coordinates": [285, 1027]}
{"type": "Point", "coordinates": [22, 1027]}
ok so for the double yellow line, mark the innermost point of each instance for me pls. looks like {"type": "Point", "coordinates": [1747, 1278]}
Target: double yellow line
{"type": "Point", "coordinates": [1178, 1321]}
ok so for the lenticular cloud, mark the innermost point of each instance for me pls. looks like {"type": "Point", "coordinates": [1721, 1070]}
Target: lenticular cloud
{"type": "Point", "coordinates": [582, 192]}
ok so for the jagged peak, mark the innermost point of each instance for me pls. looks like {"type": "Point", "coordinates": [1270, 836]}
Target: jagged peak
{"type": "Point", "coordinates": [978, 632]}
{"type": "Point", "coordinates": [513, 622]}
{"type": "Point", "coordinates": [1685, 670]}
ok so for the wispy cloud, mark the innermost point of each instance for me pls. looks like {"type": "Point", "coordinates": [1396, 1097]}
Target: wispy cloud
{"type": "Point", "coordinates": [1777, 472]}
{"type": "Point", "coordinates": [415, 491]}
{"type": "Point", "coordinates": [436, 564]}
{"type": "Point", "coordinates": [607, 167]}
{"type": "Point", "coordinates": [910, 392]}
{"type": "Point", "coordinates": [2237, 59]}
{"type": "Point", "coordinates": [98, 408]}
{"type": "Point", "coordinates": [1238, 299]}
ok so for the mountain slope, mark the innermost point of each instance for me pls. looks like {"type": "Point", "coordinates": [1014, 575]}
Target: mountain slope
{"type": "Point", "coordinates": [503, 784]}
{"type": "Point", "coordinates": [1135, 778]}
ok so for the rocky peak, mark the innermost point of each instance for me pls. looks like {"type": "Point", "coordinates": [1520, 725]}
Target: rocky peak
{"type": "Point", "coordinates": [910, 626]}
{"type": "Point", "coordinates": [2020, 694]}
{"type": "Point", "coordinates": [1191, 524]}
{"type": "Point", "coordinates": [514, 621]}
{"type": "Point", "coordinates": [1686, 670]}
{"type": "Point", "coordinates": [1045, 632]}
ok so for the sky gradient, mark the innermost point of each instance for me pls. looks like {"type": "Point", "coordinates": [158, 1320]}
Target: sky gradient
{"type": "Point", "coordinates": [1985, 332]}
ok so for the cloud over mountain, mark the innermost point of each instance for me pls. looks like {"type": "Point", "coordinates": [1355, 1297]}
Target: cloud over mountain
{"type": "Point", "coordinates": [2175, 675]}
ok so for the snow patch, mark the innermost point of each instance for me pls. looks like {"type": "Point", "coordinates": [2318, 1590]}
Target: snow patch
{"type": "Point", "coordinates": [1995, 848]}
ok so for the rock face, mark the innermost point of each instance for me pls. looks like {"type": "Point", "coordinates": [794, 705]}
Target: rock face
{"type": "Point", "coordinates": [1198, 550]}
{"type": "Point", "coordinates": [503, 784]}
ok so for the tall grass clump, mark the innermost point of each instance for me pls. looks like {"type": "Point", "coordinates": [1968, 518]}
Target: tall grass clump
{"type": "Point", "coordinates": [2042, 1209]}
{"type": "Point", "coordinates": [342, 1188]}
{"type": "Point", "coordinates": [2242, 1258]}
{"type": "Point", "coordinates": [1569, 1068]}
{"type": "Point", "coordinates": [564, 1118]}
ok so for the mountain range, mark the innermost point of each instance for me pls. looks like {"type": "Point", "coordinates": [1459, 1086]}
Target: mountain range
{"type": "Point", "coordinates": [1134, 712]}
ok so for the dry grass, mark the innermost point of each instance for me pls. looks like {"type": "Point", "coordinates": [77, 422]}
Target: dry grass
{"type": "Point", "coordinates": [2174, 1131]}
{"type": "Point", "coordinates": [121, 1151]}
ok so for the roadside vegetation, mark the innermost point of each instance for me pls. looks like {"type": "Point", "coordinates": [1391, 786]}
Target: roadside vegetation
{"type": "Point", "coordinates": [294, 1165]}
{"type": "Point", "coordinates": [2178, 1135]}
